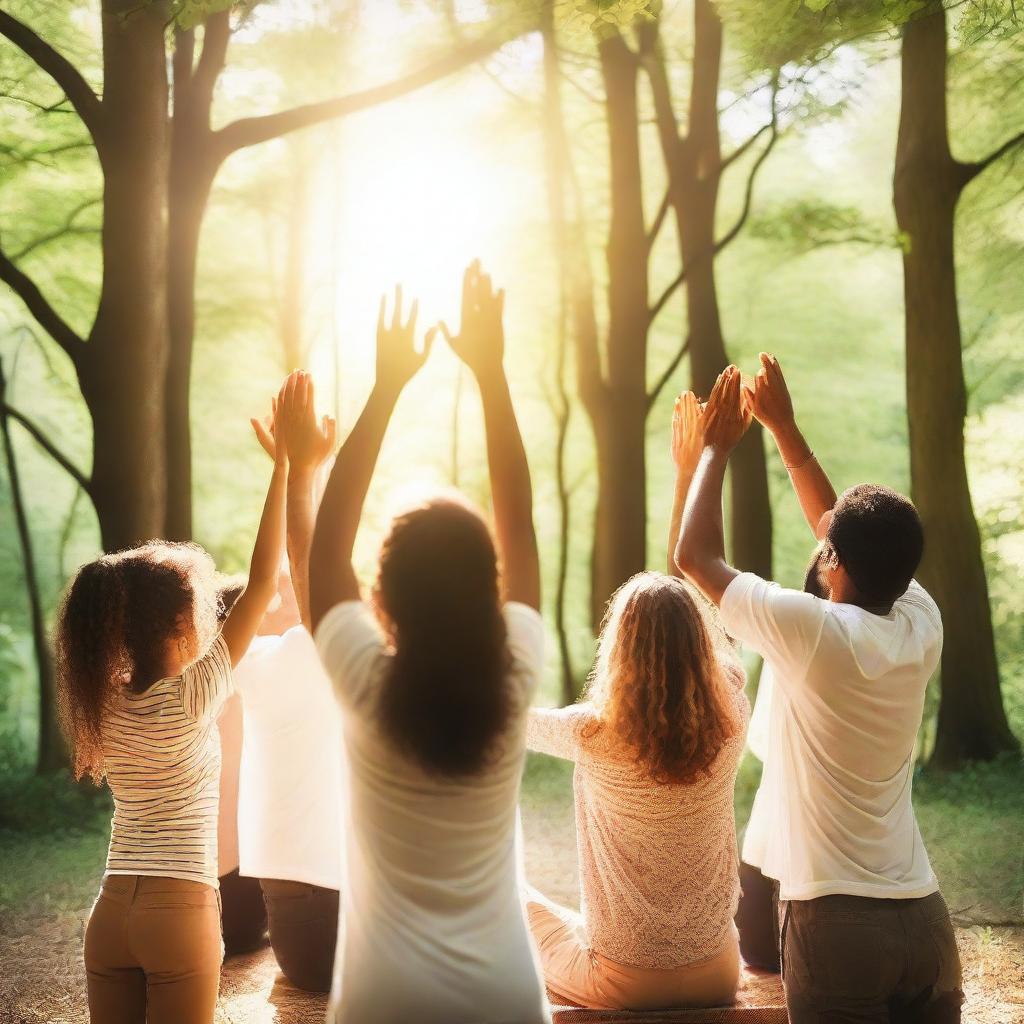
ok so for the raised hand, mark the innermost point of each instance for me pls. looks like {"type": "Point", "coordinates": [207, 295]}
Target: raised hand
{"type": "Point", "coordinates": [480, 343]}
{"type": "Point", "coordinates": [266, 431]}
{"type": "Point", "coordinates": [727, 413]}
{"type": "Point", "coordinates": [308, 442]}
{"type": "Point", "coordinates": [687, 431]}
{"type": "Point", "coordinates": [398, 360]}
{"type": "Point", "coordinates": [769, 397]}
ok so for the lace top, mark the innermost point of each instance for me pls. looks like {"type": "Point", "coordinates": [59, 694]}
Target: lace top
{"type": "Point", "coordinates": [658, 865]}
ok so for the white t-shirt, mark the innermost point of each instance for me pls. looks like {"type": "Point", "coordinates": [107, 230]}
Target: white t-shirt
{"type": "Point", "coordinates": [290, 778]}
{"type": "Point", "coordinates": [833, 813]}
{"type": "Point", "coordinates": [432, 924]}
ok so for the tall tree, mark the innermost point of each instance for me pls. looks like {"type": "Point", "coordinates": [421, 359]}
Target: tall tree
{"type": "Point", "coordinates": [159, 161]}
{"type": "Point", "coordinates": [695, 165]}
{"type": "Point", "coordinates": [928, 181]}
{"type": "Point", "coordinates": [52, 752]}
{"type": "Point", "coordinates": [927, 184]}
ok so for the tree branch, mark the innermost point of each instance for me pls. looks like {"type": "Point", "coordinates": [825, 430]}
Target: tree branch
{"type": "Point", "coordinates": [748, 195]}
{"type": "Point", "coordinates": [48, 318]}
{"type": "Point", "coordinates": [49, 447]}
{"type": "Point", "coordinates": [59, 68]}
{"type": "Point", "coordinates": [659, 219]}
{"type": "Point", "coordinates": [652, 313]}
{"type": "Point", "coordinates": [743, 147]}
{"type": "Point", "coordinates": [67, 228]}
{"type": "Point", "coordinates": [251, 131]}
{"type": "Point", "coordinates": [667, 375]}
{"type": "Point", "coordinates": [969, 171]}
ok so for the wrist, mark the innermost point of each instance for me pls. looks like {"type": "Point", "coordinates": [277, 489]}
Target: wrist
{"type": "Point", "coordinates": [791, 443]}
{"type": "Point", "coordinates": [301, 472]}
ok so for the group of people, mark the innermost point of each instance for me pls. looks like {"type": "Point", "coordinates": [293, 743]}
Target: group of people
{"type": "Point", "coordinates": [373, 745]}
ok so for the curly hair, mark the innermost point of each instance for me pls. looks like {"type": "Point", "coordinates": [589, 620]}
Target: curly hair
{"type": "Point", "coordinates": [658, 682]}
{"type": "Point", "coordinates": [118, 614]}
{"type": "Point", "coordinates": [446, 697]}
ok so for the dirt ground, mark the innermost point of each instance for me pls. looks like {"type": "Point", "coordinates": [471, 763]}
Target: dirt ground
{"type": "Point", "coordinates": [42, 981]}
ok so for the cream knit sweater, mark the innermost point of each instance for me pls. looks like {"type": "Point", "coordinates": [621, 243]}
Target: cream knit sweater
{"type": "Point", "coordinates": [658, 863]}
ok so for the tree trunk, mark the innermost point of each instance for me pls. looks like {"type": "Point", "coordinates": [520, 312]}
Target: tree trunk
{"type": "Point", "coordinates": [927, 184]}
{"type": "Point", "coordinates": [189, 190]}
{"type": "Point", "coordinates": [122, 372]}
{"type": "Point", "coordinates": [52, 752]}
{"type": "Point", "coordinates": [695, 185]}
{"type": "Point", "coordinates": [557, 167]}
{"type": "Point", "coordinates": [619, 419]}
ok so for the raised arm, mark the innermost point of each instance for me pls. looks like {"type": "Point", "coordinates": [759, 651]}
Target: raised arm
{"type": "Point", "coordinates": [480, 345]}
{"type": "Point", "coordinates": [309, 444]}
{"type": "Point", "coordinates": [700, 553]}
{"type": "Point", "coordinates": [332, 578]}
{"type": "Point", "coordinates": [687, 444]}
{"type": "Point", "coordinates": [244, 618]}
{"type": "Point", "coordinates": [773, 407]}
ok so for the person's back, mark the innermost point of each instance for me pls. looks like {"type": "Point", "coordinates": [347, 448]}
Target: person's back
{"type": "Point", "coordinates": [432, 862]}
{"type": "Point", "coordinates": [433, 684]}
{"type": "Point", "coordinates": [656, 751]}
{"type": "Point", "coordinates": [863, 932]}
{"type": "Point", "coordinates": [848, 695]}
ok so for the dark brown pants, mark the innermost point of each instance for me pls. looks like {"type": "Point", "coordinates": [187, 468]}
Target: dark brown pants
{"type": "Point", "coordinates": [303, 931]}
{"type": "Point", "coordinates": [854, 960]}
{"type": "Point", "coordinates": [757, 919]}
{"type": "Point", "coordinates": [153, 951]}
{"type": "Point", "coordinates": [243, 915]}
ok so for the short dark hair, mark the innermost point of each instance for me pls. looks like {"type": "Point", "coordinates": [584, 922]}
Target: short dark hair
{"type": "Point", "coordinates": [877, 535]}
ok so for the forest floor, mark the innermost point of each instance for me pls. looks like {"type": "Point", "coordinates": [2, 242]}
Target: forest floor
{"type": "Point", "coordinates": [48, 878]}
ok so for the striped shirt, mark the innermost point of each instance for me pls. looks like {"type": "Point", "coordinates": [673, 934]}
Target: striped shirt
{"type": "Point", "coordinates": [162, 761]}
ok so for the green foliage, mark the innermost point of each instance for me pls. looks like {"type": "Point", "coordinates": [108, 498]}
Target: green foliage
{"type": "Point", "coordinates": [191, 13]}
{"type": "Point", "coordinates": [583, 17]}
{"type": "Point", "coordinates": [801, 225]}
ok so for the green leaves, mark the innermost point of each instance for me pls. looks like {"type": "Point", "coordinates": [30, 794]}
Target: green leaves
{"type": "Point", "coordinates": [190, 13]}
{"type": "Point", "coordinates": [600, 17]}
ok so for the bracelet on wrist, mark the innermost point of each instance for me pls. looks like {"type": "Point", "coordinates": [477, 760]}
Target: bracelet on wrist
{"type": "Point", "coordinates": [799, 465]}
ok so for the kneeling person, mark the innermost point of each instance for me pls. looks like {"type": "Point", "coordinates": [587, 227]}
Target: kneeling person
{"type": "Point", "coordinates": [864, 932]}
{"type": "Point", "coordinates": [290, 788]}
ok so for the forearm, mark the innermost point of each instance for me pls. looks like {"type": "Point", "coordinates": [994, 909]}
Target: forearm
{"type": "Point", "coordinates": [511, 492]}
{"type": "Point", "coordinates": [331, 576]}
{"type": "Point", "coordinates": [684, 477]}
{"type": "Point", "coordinates": [299, 535]}
{"type": "Point", "coordinates": [813, 488]}
{"type": "Point", "coordinates": [702, 533]}
{"type": "Point", "coordinates": [269, 545]}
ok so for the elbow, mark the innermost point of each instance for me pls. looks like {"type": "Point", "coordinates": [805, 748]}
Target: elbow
{"type": "Point", "coordinates": [683, 558]}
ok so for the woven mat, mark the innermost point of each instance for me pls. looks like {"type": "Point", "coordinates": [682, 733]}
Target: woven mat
{"type": "Point", "coordinates": [760, 1001]}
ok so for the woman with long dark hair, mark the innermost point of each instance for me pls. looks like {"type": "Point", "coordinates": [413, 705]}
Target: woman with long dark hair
{"type": "Point", "coordinates": [434, 677]}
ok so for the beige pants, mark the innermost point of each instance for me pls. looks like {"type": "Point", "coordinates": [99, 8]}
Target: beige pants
{"type": "Point", "coordinates": [579, 976]}
{"type": "Point", "coordinates": [153, 951]}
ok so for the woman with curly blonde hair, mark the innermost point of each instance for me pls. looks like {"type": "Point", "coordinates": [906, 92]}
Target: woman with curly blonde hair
{"type": "Point", "coordinates": [656, 746]}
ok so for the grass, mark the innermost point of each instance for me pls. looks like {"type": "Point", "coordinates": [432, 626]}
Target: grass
{"type": "Point", "coordinates": [53, 836]}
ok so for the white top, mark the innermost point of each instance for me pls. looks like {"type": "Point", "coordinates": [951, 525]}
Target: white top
{"type": "Point", "coordinates": [162, 761]}
{"type": "Point", "coordinates": [658, 866]}
{"type": "Point", "coordinates": [290, 785]}
{"type": "Point", "coordinates": [833, 813]}
{"type": "Point", "coordinates": [432, 924]}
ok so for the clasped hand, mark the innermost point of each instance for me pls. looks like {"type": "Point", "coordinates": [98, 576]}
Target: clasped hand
{"type": "Point", "coordinates": [734, 403]}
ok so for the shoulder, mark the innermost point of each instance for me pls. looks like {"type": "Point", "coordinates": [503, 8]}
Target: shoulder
{"type": "Point", "coordinates": [917, 600]}
{"type": "Point", "coordinates": [352, 647]}
{"type": "Point", "coordinates": [750, 595]}
{"type": "Point", "coordinates": [525, 636]}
